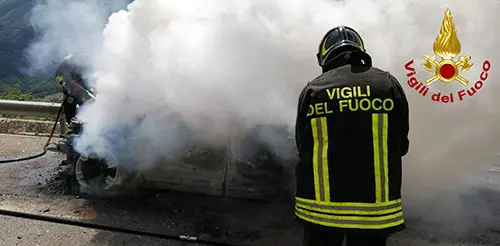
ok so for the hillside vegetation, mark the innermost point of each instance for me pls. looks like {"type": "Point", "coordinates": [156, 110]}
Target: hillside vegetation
{"type": "Point", "coordinates": [15, 36]}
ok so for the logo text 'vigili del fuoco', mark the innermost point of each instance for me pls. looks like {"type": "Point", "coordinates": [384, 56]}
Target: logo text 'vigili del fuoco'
{"type": "Point", "coordinates": [448, 67]}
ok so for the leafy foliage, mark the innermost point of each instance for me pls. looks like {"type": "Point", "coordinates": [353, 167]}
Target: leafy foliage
{"type": "Point", "coordinates": [15, 94]}
{"type": "Point", "coordinates": [36, 87]}
{"type": "Point", "coordinates": [16, 34]}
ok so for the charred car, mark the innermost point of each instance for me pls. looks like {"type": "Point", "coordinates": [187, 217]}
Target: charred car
{"type": "Point", "coordinates": [247, 166]}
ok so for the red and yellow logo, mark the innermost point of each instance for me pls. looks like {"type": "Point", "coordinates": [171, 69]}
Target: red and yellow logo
{"type": "Point", "coordinates": [448, 68]}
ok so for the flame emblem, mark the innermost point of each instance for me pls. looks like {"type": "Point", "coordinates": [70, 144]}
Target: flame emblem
{"type": "Point", "coordinates": [447, 47]}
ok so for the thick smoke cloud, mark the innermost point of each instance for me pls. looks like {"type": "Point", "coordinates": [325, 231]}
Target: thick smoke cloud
{"type": "Point", "coordinates": [227, 65]}
{"type": "Point", "coordinates": [66, 27]}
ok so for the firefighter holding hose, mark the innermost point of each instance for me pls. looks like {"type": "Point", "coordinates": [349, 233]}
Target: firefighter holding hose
{"type": "Point", "coordinates": [76, 93]}
{"type": "Point", "coordinates": [351, 133]}
{"type": "Point", "coordinates": [69, 76]}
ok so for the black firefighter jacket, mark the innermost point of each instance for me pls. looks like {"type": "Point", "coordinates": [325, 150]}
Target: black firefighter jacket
{"type": "Point", "coordinates": [351, 133]}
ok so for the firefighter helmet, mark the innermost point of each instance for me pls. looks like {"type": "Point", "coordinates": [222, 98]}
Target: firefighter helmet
{"type": "Point", "coordinates": [338, 41]}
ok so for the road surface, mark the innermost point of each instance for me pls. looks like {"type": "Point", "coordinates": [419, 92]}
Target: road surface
{"type": "Point", "coordinates": [30, 187]}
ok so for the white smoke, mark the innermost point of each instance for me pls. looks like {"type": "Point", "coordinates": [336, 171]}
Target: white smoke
{"type": "Point", "coordinates": [66, 27]}
{"type": "Point", "coordinates": [226, 65]}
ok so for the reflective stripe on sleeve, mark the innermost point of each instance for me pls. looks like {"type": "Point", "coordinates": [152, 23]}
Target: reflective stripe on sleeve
{"type": "Point", "coordinates": [380, 157]}
{"type": "Point", "coordinates": [358, 222]}
{"type": "Point", "coordinates": [319, 128]}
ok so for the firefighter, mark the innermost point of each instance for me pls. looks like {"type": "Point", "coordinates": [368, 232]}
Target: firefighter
{"type": "Point", "coordinates": [351, 133]}
{"type": "Point", "coordinates": [68, 72]}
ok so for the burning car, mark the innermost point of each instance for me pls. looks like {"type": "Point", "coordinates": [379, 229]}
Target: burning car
{"type": "Point", "coordinates": [246, 166]}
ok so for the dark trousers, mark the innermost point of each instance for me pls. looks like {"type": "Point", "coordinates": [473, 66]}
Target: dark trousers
{"type": "Point", "coordinates": [314, 237]}
{"type": "Point", "coordinates": [69, 111]}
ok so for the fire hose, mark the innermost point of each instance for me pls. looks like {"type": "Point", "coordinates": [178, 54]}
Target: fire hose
{"type": "Point", "coordinates": [46, 145]}
{"type": "Point", "coordinates": [183, 238]}
{"type": "Point", "coordinates": [44, 151]}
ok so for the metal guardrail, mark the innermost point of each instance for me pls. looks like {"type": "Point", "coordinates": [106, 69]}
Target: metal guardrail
{"type": "Point", "coordinates": [29, 108]}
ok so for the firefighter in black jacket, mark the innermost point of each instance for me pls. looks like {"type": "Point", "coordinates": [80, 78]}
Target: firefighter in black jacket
{"type": "Point", "coordinates": [67, 75]}
{"type": "Point", "coordinates": [351, 133]}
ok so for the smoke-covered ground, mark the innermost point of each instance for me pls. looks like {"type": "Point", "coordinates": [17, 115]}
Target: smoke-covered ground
{"type": "Point", "coordinates": [228, 65]}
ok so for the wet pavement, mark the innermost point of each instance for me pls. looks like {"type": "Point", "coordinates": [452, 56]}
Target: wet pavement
{"type": "Point", "coordinates": [31, 186]}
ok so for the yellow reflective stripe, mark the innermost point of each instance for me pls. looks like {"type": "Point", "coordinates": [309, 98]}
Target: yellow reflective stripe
{"type": "Point", "coordinates": [360, 222]}
{"type": "Point", "coordinates": [324, 156]}
{"type": "Point", "coordinates": [347, 204]}
{"type": "Point", "coordinates": [357, 212]}
{"type": "Point", "coordinates": [320, 159]}
{"type": "Point", "coordinates": [375, 209]}
{"type": "Point", "coordinates": [351, 218]}
{"type": "Point", "coordinates": [380, 156]}
{"type": "Point", "coordinates": [385, 127]}
{"type": "Point", "coordinates": [314, 128]}
{"type": "Point", "coordinates": [376, 157]}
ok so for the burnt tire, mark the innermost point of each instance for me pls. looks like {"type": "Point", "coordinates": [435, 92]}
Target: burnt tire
{"type": "Point", "coordinates": [97, 177]}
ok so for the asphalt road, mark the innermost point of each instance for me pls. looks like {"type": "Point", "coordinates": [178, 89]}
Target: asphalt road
{"type": "Point", "coordinates": [30, 187]}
